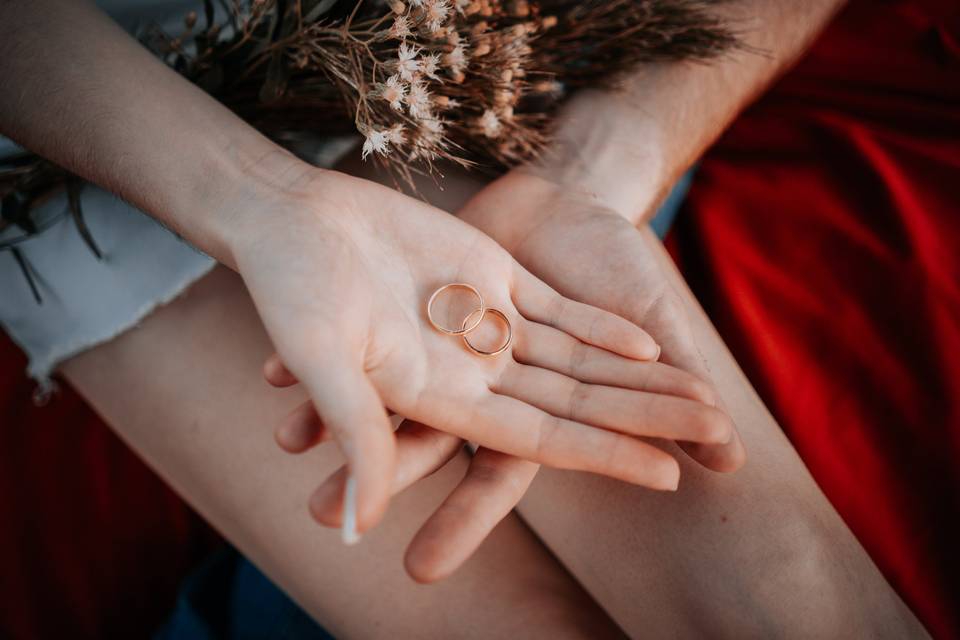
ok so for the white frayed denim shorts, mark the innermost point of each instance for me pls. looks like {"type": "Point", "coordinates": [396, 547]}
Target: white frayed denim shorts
{"type": "Point", "coordinates": [74, 300]}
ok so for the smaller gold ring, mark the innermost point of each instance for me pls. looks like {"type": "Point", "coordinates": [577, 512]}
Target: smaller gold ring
{"type": "Point", "coordinates": [506, 344]}
{"type": "Point", "coordinates": [464, 329]}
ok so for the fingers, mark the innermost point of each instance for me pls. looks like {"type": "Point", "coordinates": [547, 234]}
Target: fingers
{"type": "Point", "coordinates": [542, 346]}
{"type": "Point", "coordinates": [301, 429]}
{"type": "Point", "coordinates": [625, 410]}
{"type": "Point", "coordinates": [420, 451]}
{"type": "Point", "coordinates": [680, 349]}
{"type": "Point", "coordinates": [351, 410]}
{"type": "Point", "coordinates": [276, 373]}
{"type": "Point", "coordinates": [514, 427]}
{"type": "Point", "coordinates": [538, 302]}
{"type": "Point", "coordinates": [492, 486]}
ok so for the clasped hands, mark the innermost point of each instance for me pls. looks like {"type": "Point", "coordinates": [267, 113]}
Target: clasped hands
{"type": "Point", "coordinates": [340, 270]}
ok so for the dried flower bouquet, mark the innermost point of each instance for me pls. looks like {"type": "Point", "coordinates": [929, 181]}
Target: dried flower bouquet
{"type": "Point", "coordinates": [467, 81]}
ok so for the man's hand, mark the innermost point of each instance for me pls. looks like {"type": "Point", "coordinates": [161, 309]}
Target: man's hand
{"type": "Point", "coordinates": [590, 254]}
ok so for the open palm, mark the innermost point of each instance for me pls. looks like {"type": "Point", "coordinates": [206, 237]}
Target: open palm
{"type": "Point", "coordinates": [341, 286]}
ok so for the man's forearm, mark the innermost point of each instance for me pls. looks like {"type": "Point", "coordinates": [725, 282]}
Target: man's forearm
{"type": "Point", "coordinates": [629, 146]}
{"type": "Point", "coordinates": [80, 91]}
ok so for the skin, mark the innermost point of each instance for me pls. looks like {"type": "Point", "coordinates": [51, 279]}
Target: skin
{"type": "Point", "coordinates": [341, 299]}
{"type": "Point", "coordinates": [203, 423]}
{"type": "Point", "coordinates": [758, 553]}
{"type": "Point", "coordinates": [806, 576]}
{"type": "Point", "coordinates": [571, 219]}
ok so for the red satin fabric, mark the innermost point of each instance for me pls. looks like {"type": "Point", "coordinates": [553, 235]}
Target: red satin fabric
{"type": "Point", "coordinates": [822, 235]}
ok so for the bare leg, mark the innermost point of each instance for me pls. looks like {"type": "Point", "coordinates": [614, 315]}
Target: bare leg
{"type": "Point", "coordinates": [184, 390]}
{"type": "Point", "coordinates": [758, 553]}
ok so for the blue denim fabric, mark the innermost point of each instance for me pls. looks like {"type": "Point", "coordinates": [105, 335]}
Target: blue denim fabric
{"type": "Point", "coordinates": [229, 598]}
{"type": "Point", "coordinates": [668, 211]}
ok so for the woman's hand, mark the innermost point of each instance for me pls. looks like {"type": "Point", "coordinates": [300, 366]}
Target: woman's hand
{"type": "Point", "coordinates": [593, 254]}
{"type": "Point", "coordinates": [340, 270]}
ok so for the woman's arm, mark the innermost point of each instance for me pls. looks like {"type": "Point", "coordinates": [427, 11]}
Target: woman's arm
{"type": "Point", "coordinates": [337, 267]}
{"type": "Point", "coordinates": [629, 146]}
{"type": "Point", "coordinates": [81, 92]}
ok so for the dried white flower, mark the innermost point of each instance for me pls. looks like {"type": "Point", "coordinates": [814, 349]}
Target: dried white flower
{"type": "Point", "coordinates": [395, 135]}
{"type": "Point", "coordinates": [401, 28]}
{"type": "Point", "coordinates": [461, 6]}
{"type": "Point", "coordinates": [407, 64]}
{"type": "Point", "coordinates": [490, 124]}
{"type": "Point", "coordinates": [393, 91]}
{"type": "Point", "coordinates": [456, 60]}
{"type": "Point", "coordinates": [418, 101]}
{"type": "Point", "coordinates": [429, 140]}
{"type": "Point", "coordinates": [430, 65]}
{"type": "Point", "coordinates": [376, 141]}
{"type": "Point", "coordinates": [437, 12]}
{"type": "Point", "coordinates": [432, 130]}
{"type": "Point", "coordinates": [445, 102]}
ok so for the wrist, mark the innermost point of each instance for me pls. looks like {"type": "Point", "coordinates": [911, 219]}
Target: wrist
{"type": "Point", "coordinates": [236, 194]}
{"type": "Point", "coordinates": [606, 148]}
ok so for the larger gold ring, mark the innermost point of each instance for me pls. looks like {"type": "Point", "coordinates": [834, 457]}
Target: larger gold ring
{"type": "Point", "coordinates": [464, 329]}
{"type": "Point", "coordinates": [502, 348]}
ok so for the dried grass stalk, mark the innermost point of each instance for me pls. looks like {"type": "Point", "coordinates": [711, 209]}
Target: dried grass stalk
{"type": "Point", "coordinates": [466, 81]}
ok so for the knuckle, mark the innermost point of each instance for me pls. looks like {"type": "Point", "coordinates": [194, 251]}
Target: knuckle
{"type": "Point", "coordinates": [579, 393]}
{"type": "Point", "coordinates": [545, 433]}
{"type": "Point", "coordinates": [555, 310]}
{"type": "Point", "coordinates": [578, 358]}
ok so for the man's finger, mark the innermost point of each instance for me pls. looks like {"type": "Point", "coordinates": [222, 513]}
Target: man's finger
{"type": "Point", "coordinates": [276, 373]}
{"type": "Point", "coordinates": [301, 429]}
{"type": "Point", "coordinates": [538, 302]}
{"type": "Point", "coordinates": [492, 486]}
{"type": "Point", "coordinates": [420, 452]}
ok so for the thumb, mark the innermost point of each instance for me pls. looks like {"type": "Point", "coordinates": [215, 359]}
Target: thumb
{"type": "Point", "coordinates": [351, 410]}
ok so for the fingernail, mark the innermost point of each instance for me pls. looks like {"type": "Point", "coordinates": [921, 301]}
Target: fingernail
{"type": "Point", "coordinates": [659, 351]}
{"type": "Point", "coordinates": [348, 533]}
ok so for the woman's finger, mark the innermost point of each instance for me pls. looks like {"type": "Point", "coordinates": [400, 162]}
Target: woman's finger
{"type": "Point", "coordinates": [276, 373]}
{"type": "Point", "coordinates": [492, 486]}
{"type": "Point", "coordinates": [420, 452]}
{"type": "Point", "coordinates": [351, 410]}
{"type": "Point", "coordinates": [301, 429]}
{"type": "Point", "coordinates": [515, 427]}
{"type": "Point", "coordinates": [628, 411]}
{"type": "Point", "coordinates": [538, 302]}
{"type": "Point", "coordinates": [542, 346]}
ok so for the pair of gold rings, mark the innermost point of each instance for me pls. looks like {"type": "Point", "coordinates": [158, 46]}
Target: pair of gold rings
{"type": "Point", "coordinates": [471, 321]}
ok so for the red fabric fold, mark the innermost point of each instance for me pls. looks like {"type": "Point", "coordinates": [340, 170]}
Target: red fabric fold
{"type": "Point", "coordinates": [822, 235]}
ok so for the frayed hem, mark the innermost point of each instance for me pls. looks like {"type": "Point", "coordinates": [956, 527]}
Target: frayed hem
{"type": "Point", "coordinates": [42, 368]}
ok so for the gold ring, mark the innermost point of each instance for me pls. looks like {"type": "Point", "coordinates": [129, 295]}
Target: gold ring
{"type": "Point", "coordinates": [481, 352]}
{"type": "Point", "coordinates": [464, 329]}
